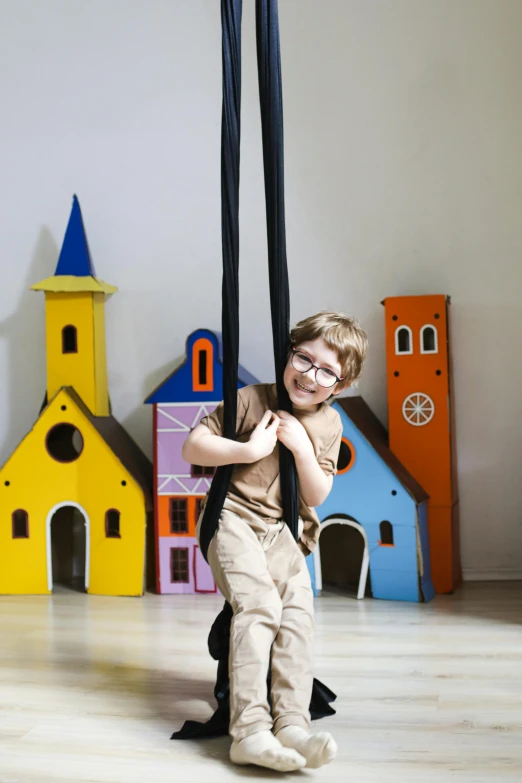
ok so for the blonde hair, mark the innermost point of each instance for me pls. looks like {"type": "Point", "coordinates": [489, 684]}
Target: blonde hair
{"type": "Point", "coordinates": [342, 333]}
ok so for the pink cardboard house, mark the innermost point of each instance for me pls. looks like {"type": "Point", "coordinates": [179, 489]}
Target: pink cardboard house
{"type": "Point", "coordinates": [192, 391]}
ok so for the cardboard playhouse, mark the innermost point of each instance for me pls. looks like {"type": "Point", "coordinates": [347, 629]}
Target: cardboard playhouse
{"type": "Point", "coordinates": [76, 493]}
{"type": "Point", "coordinates": [398, 490]}
{"type": "Point", "coordinates": [376, 514]}
{"type": "Point", "coordinates": [191, 391]}
{"type": "Point", "coordinates": [421, 418]}
{"type": "Point", "coordinates": [379, 514]}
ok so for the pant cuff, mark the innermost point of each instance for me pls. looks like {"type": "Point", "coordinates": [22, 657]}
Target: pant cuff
{"type": "Point", "coordinates": [291, 720]}
{"type": "Point", "coordinates": [246, 731]}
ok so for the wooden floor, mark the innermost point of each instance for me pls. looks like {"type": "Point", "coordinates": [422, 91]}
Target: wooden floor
{"type": "Point", "coordinates": [91, 689]}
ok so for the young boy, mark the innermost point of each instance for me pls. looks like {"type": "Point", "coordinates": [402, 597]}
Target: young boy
{"type": "Point", "coordinates": [256, 563]}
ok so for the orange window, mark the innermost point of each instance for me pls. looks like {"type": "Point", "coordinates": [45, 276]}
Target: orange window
{"type": "Point", "coordinates": [176, 515]}
{"type": "Point", "coordinates": [346, 458]}
{"type": "Point", "coordinates": [178, 508]}
{"type": "Point", "coordinates": [203, 365]}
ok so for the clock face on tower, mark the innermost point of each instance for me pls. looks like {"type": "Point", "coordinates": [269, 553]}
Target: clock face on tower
{"type": "Point", "coordinates": [418, 409]}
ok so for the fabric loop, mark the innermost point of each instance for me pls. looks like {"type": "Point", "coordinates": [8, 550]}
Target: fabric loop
{"type": "Point", "coordinates": [271, 102]}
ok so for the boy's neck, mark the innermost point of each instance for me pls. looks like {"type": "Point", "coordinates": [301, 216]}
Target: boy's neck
{"type": "Point", "coordinates": [299, 408]}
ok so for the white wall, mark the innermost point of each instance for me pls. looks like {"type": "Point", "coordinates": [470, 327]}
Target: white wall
{"type": "Point", "coordinates": [403, 123]}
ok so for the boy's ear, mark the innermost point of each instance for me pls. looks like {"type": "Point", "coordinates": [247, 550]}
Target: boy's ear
{"type": "Point", "coordinates": [338, 391]}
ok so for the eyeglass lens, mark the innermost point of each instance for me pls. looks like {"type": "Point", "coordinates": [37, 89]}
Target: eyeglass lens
{"type": "Point", "coordinates": [302, 363]}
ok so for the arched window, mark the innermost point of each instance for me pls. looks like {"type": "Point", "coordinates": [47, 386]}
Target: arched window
{"type": "Point", "coordinates": [403, 340]}
{"type": "Point", "coordinates": [346, 457]}
{"type": "Point", "coordinates": [69, 339]}
{"type": "Point", "coordinates": [429, 339]}
{"type": "Point", "coordinates": [20, 523]}
{"type": "Point", "coordinates": [386, 529]}
{"type": "Point", "coordinates": [203, 365]}
{"type": "Point", "coordinates": [112, 523]}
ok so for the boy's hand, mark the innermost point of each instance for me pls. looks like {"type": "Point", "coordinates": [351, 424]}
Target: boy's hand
{"type": "Point", "coordinates": [294, 436]}
{"type": "Point", "coordinates": [263, 440]}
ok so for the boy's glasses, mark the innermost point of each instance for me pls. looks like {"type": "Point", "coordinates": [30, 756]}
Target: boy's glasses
{"type": "Point", "coordinates": [324, 377]}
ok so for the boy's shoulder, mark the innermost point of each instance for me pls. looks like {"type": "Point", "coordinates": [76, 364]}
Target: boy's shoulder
{"type": "Point", "coordinates": [257, 396]}
{"type": "Point", "coordinates": [256, 391]}
{"type": "Point", "coordinates": [330, 411]}
{"type": "Point", "coordinates": [333, 418]}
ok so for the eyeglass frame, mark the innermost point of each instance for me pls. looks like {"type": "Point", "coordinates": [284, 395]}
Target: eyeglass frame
{"type": "Point", "coordinates": [315, 367]}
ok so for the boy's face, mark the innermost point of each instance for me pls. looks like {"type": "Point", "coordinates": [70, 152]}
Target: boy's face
{"type": "Point", "coordinates": [302, 387]}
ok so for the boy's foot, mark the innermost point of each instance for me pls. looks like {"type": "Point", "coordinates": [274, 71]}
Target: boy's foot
{"type": "Point", "coordinates": [265, 750]}
{"type": "Point", "coordinates": [318, 749]}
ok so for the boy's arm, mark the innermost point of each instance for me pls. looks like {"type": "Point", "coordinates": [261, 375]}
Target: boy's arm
{"type": "Point", "coordinates": [314, 484]}
{"type": "Point", "coordinates": [204, 448]}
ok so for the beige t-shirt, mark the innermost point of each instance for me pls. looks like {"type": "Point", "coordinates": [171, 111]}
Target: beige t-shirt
{"type": "Point", "coordinates": [257, 486]}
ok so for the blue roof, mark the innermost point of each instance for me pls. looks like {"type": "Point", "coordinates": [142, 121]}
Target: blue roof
{"type": "Point", "coordinates": [178, 386]}
{"type": "Point", "coordinates": [74, 257]}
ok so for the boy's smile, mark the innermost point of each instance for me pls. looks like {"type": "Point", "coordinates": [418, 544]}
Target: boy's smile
{"type": "Point", "coordinates": [302, 387]}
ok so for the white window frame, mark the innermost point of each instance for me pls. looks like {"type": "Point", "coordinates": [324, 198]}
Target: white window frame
{"type": "Point", "coordinates": [403, 353]}
{"type": "Point", "coordinates": [436, 332]}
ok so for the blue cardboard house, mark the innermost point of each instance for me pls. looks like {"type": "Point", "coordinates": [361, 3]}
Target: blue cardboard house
{"type": "Point", "coordinates": [374, 493]}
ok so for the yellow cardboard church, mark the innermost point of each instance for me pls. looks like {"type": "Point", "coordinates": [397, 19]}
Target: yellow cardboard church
{"type": "Point", "coordinates": [82, 517]}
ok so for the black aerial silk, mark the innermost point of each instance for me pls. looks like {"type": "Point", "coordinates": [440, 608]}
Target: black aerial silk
{"type": "Point", "coordinates": [217, 725]}
{"type": "Point", "coordinates": [271, 102]}
{"type": "Point", "coordinates": [269, 69]}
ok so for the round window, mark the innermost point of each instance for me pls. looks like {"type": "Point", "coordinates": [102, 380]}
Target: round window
{"type": "Point", "coordinates": [418, 409]}
{"type": "Point", "coordinates": [64, 443]}
{"type": "Point", "coordinates": [346, 456]}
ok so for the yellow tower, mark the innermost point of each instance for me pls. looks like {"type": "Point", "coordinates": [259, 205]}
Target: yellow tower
{"type": "Point", "coordinates": [75, 321]}
{"type": "Point", "coordinates": [76, 494]}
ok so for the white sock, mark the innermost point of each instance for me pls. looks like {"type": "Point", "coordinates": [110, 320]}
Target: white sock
{"type": "Point", "coordinates": [265, 750]}
{"type": "Point", "coordinates": [318, 749]}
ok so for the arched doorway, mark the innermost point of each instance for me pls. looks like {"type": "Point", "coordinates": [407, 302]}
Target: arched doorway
{"type": "Point", "coordinates": [343, 555]}
{"type": "Point", "coordinates": [68, 546]}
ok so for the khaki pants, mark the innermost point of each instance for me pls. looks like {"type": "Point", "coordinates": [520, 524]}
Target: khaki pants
{"type": "Point", "coordinates": [260, 570]}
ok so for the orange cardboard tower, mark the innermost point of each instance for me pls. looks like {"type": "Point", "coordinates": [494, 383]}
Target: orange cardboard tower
{"type": "Point", "coordinates": [421, 420]}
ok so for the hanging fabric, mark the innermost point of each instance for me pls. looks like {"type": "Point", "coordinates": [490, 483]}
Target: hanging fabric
{"type": "Point", "coordinates": [231, 11]}
{"type": "Point", "coordinates": [271, 103]}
